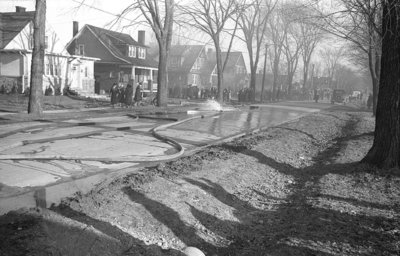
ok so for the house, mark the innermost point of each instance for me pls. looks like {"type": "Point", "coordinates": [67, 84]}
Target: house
{"type": "Point", "coordinates": [122, 59]}
{"type": "Point", "coordinates": [185, 66]}
{"type": "Point", "coordinates": [235, 72]}
{"type": "Point", "coordinates": [16, 44]}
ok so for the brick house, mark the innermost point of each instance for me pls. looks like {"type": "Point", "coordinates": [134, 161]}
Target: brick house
{"type": "Point", "coordinates": [122, 59]}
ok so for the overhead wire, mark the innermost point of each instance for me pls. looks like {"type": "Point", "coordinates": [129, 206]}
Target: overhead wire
{"type": "Point", "coordinates": [147, 25]}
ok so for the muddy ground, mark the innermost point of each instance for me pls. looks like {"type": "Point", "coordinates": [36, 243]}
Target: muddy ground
{"type": "Point", "coordinates": [295, 189]}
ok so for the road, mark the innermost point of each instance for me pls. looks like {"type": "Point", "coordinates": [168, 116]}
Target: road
{"type": "Point", "coordinates": [44, 161]}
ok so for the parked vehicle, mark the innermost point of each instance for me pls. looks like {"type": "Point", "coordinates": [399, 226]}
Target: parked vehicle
{"type": "Point", "coordinates": [338, 96]}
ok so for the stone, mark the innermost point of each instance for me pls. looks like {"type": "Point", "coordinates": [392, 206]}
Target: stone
{"type": "Point", "coordinates": [193, 251]}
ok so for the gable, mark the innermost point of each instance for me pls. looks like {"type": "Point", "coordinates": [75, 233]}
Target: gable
{"type": "Point", "coordinates": [240, 63]}
{"type": "Point", "coordinates": [11, 24]}
{"type": "Point", "coordinates": [21, 39]}
{"type": "Point", "coordinates": [187, 55]}
{"type": "Point", "coordinates": [93, 47]}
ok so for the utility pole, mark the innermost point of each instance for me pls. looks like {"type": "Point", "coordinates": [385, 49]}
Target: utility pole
{"type": "Point", "coordinates": [263, 81]}
{"type": "Point", "coordinates": [312, 76]}
{"type": "Point", "coordinates": [37, 68]}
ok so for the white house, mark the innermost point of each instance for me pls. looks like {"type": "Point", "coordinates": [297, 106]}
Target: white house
{"type": "Point", "coordinates": [61, 69]}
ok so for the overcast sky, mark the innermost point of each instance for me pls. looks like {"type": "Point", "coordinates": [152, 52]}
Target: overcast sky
{"type": "Point", "coordinates": [101, 13]}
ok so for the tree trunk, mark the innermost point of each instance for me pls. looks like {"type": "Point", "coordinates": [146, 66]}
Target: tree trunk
{"type": "Point", "coordinates": [253, 75]}
{"type": "Point", "coordinates": [37, 68]}
{"type": "Point", "coordinates": [275, 80]}
{"type": "Point", "coordinates": [377, 75]}
{"type": "Point", "coordinates": [374, 65]}
{"type": "Point", "coordinates": [305, 75]}
{"type": "Point", "coordinates": [220, 74]}
{"type": "Point", "coordinates": [162, 79]}
{"type": "Point", "coordinates": [290, 82]}
{"type": "Point", "coordinates": [385, 152]}
{"type": "Point", "coordinates": [265, 70]}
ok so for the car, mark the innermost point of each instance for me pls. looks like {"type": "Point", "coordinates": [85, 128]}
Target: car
{"type": "Point", "coordinates": [338, 96]}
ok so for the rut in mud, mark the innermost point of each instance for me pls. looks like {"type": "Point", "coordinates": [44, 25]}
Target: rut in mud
{"type": "Point", "coordinates": [295, 189]}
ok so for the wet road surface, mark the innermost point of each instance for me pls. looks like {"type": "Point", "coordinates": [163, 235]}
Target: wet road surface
{"type": "Point", "coordinates": [47, 156]}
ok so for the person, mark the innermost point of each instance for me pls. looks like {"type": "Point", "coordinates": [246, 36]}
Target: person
{"type": "Point", "coordinates": [369, 101]}
{"type": "Point", "coordinates": [128, 95]}
{"type": "Point", "coordinates": [114, 94]}
{"type": "Point", "coordinates": [138, 94]}
{"type": "Point", "coordinates": [316, 95]}
{"type": "Point", "coordinates": [121, 95]}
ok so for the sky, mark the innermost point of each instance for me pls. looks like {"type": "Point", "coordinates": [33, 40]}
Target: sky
{"type": "Point", "coordinates": [102, 13]}
{"type": "Point", "coordinates": [61, 13]}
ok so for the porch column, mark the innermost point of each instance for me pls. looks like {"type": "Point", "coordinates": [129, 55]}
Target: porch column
{"type": "Point", "coordinates": [133, 76]}
{"type": "Point", "coordinates": [151, 74]}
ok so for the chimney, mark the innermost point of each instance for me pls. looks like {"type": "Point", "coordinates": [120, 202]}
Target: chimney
{"type": "Point", "coordinates": [75, 28]}
{"type": "Point", "coordinates": [20, 9]}
{"type": "Point", "coordinates": [142, 37]}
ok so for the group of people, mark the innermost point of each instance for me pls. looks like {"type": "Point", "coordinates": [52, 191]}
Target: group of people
{"type": "Point", "coordinates": [124, 96]}
{"type": "Point", "coordinates": [192, 92]}
{"type": "Point", "coordinates": [246, 94]}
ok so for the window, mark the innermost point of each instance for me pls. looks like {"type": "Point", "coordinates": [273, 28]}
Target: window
{"type": "Point", "coordinates": [142, 53]}
{"type": "Point", "coordinates": [132, 51]}
{"type": "Point", "coordinates": [81, 49]}
{"type": "Point", "coordinates": [86, 72]}
{"type": "Point", "coordinates": [46, 42]}
{"type": "Point", "coordinates": [194, 79]}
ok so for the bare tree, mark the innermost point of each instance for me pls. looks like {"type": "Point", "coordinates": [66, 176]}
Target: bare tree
{"type": "Point", "coordinates": [385, 151]}
{"type": "Point", "coordinates": [311, 36]}
{"type": "Point", "coordinates": [331, 57]}
{"type": "Point", "coordinates": [211, 17]}
{"type": "Point", "coordinates": [36, 88]}
{"type": "Point", "coordinates": [162, 26]}
{"type": "Point", "coordinates": [358, 21]}
{"type": "Point", "coordinates": [277, 31]}
{"type": "Point", "coordinates": [253, 24]}
{"type": "Point", "coordinates": [292, 45]}
{"type": "Point", "coordinates": [161, 21]}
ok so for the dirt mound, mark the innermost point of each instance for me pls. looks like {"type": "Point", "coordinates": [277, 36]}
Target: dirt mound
{"type": "Point", "coordinates": [295, 189]}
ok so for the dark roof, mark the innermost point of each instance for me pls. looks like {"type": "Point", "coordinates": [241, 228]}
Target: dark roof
{"type": "Point", "coordinates": [189, 53]}
{"type": "Point", "coordinates": [11, 24]}
{"type": "Point", "coordinates": [112, 39]}
{"type": "Point", "coordinates": [232, 60]}
{"type": "Point", "coordinates": [109, 34]}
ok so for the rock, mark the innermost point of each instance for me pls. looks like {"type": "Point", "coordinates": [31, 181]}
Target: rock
{"type": "Point", "coordinates": [193, 251]}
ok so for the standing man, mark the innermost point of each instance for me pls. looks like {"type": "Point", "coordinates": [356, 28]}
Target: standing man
{"type": "Point", "coordinates": [138, 94]}
{"type": "Point", "coordinates": [114, 94]}
{"type": "Point", "coordinates": [128, 95]}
